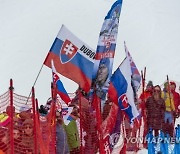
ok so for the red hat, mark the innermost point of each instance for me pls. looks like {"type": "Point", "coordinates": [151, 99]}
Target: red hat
{"type": "Point", "coordinates": [173, 83]}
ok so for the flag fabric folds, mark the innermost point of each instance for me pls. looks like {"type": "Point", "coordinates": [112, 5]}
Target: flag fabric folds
{"type": "Point", "coordinates": [126, 71]}
{"type": "Point", "coordinates": [136, 77]}
{"type": "Point", "coordinates": [102, 70]}
{"type": "Point", "coordinates": [117, 92]}
{"type": "Point", "coordinates": [120, 90]}
{"type": "Point", "coordinates": [59, 86]}
{"type": "Point", "coordinates": [112, 130]}
{"type": "Point", "coordinates": [106, 49]}
{"type": "Point", "coordinates": [72, 58]}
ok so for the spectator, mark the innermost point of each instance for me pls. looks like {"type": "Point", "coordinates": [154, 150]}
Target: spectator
{"type": "Point", "coordinates": [169, 109]}
{"type": "Point", "coordinates": [61, 137]}
{"type": "Point", "coordinates": [28, 136]}
{"type": "Point", "coordinates": [147, 93]}
{"type": "Point", "coordinates": [4, 140]}
{"type": "Point", "coordinates": [143, 98]}
{"type": "Point", "coordinates": [25, 113]}
{"type": "Point", "coordinates": [142, 106]}
{"type": "Point", "coordinates": [155, 106]}
{"type": "Point", "coordinates": [72, 133]}
{"type": "Point", "coordinates": [17, 140]}
{"type": "Point", "coordinates": [43, 110]}
{"type": "Point", "coordinates": [176, 97]}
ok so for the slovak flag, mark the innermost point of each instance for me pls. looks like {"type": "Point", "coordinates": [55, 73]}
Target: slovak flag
{"type": "Point", "coordinates": [59, 85]}
{"type": "Point", "coordinates": [72, 58]}
{"type": "Point", "coordinates": [120, 90]}
{"type": "Point", "coordinates": [117, 92]}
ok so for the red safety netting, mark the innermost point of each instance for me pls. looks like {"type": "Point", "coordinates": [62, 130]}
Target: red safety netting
{"type": "Point", "coordinates": [23, 129]}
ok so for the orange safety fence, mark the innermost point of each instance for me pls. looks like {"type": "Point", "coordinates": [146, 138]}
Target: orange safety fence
{"type": "Point", "coordinates": [30, 131]}
{"type": "Point", "coordinates": [25, 131]}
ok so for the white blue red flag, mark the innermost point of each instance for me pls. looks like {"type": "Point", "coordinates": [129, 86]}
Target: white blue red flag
{"type": "Point", "coordinates": [105, 50]}
{"type": "Point", "coordinates": [120, 90]}
{"type": "Point", "coordinates": [62, 107]}
{"type": "Point", "coordinates": [66, 111]}
{"type": "Point", "coordinates": [136, 77]}
{"type": "Point", "coordinates": [117, 92]}
{"type": "Point", "coordinates": [126, 71]}
{"type": "Point", "coordinates": [72, 58]}
{"type": "Point", "coordinates": [59, 86]}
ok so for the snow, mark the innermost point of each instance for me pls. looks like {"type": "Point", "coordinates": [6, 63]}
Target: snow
{"type": "Point", "coordinates": [28, 28]}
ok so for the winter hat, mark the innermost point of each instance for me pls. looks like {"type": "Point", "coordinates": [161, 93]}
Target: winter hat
{"type": "Point", "coordinates": [24, 107]}
{"type": "Point", "coordinates": [165, 84]}
{"type": "Point", "coordinates": [150, 83]}
{"type": "Point", "coordinates": [173, 83]}
{"type": "Point", "coordinates": [8, 109]}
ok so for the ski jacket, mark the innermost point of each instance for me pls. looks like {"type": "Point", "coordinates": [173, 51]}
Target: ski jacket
{"type": "Point", "coordinates": [72, 135]}
{"type": "Point", "coordinates": [169, 102]}
{"type": "Point", "coordinates": [176, 98]}
{"type": "Point", "coordinates": [143, 99]}
{"type": "Point", "coordinates": [155, 113]}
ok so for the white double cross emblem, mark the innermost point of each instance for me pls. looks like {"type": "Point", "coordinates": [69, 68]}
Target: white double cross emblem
{"type": "Point", "coordinates": [69, 49]}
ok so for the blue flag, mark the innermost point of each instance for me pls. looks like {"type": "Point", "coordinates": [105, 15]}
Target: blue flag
{"type": "Point", "coordinates": [105, 50]}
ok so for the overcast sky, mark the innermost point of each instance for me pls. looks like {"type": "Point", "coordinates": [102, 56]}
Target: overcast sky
{"type": "Point", "coordinates": [151, 29]}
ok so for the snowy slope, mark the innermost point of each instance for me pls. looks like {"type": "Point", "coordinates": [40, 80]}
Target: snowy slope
{"type": "Point", "coordinates": [28, 28]}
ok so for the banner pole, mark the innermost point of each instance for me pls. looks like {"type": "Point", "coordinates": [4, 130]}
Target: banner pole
{"type": "Point", "coordinates": [34, 121]}
{"type": "Point", "coordinates": [35, 82]}
{"type": "Point", "coordinates": [12, 117]}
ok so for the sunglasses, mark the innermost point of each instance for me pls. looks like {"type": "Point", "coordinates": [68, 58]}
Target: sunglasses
{"type": "Point", "coordinates": [156, 90]}
{"type": "Point", "coordinates": [28, 127]}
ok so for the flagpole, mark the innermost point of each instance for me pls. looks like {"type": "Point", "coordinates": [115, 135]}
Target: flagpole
{"type": "Point", "coordinates": [143, 76]}
{"type": "Point", "coordinates": [35, 81]}
{"type": "Point", "coordinates": [169, 91]}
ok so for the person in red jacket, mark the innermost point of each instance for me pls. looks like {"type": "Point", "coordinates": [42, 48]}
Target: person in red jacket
{"type": "Point", "coordinates": [144, 96]}
{"type": "Point", "coordinates": [176, 97]}
{"type": "Point", "coordinates": [142, 106]}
